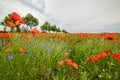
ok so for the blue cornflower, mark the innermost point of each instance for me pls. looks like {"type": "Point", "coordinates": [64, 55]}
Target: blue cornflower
{"type": "Point", "coordinates": [9, 57]}
{"type": "Point", "coordinates": [61, 43]}
{"type": "Point", "coordinates": [27, 52]}
{"type": "Point", "coordinates": [46, 75]}
{"type": "Point", "coordinates": [53, 73]}
{"type": "Point", "coordinates": [51, 42]}
{"type": "Point", "coordinates": [33, 58]}
{"type": "Point", "coordinates": [48, 51]}
{"type": "Point", "coordinates": [66, 48]}
{"type": "Point", "coordinates": [44, 45]}
{"type": "Point", "coordinates": [21, 42]}
{"type": "Point", "coordinates": [113, 49]}
{"type": "Point", "coordinates": [46, 62]}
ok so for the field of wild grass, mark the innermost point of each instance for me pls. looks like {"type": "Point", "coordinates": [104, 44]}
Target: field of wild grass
{"type": "Point", "coordinates": [83, 56]}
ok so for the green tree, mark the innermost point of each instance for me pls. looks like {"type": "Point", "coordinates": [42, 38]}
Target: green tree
{"type": "Point", "coordinates": [49, 27]}
{"type": "Point", "coordinates": [46, 27]}
{"type": "Point", "coordinates": [58, 30]}
{"type": "Point", "coordinates": [30, 20]}
{"type": "Point", "coordinates": [64, 31]}
{"type": "Point", "coordinates": [54, 28]}
{"type": "Point", "coordinates": [43, 28]}
{"type": "Point", "coordinates": [3, 23]}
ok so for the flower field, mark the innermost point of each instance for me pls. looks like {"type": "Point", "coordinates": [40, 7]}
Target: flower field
{"type": "Point", "coordinates": [54, 56]}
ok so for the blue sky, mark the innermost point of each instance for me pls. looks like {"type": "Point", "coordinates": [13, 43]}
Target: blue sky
{"type": "Point", "coordinates": [72, 15]}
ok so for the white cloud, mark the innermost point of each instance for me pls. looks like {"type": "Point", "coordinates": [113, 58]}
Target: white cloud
{"type": "Point", "coordinates": [72, 15]}
{"type": "Point", "coordinates": [22, 9]}
{"type": "Point", "coordinates": [88, 15]}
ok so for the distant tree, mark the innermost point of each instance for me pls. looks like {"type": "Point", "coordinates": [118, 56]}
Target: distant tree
{"type": "Point", "coordinates": [64, 31]}
{"type": "Point", "coordinates": [43, 28]}
{"type": "Point", "coordinates": [58, 30]}
{"type": "Point", "coordinates": [3, 23]}
{"type": "Point", "coordinates": [49, 28]}
{"type": "Point", "coordinates": [46, 27]}
{"type": "Point", "coordinates": [54, 28]}
{"type": "Point", "coordinates": [30, 20]}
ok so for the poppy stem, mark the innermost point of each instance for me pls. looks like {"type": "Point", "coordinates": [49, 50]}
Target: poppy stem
{"type": "Point", "coordinates": [2, 42]}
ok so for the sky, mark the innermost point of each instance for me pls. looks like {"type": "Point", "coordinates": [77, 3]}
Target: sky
{"type": "Point", "coordinates": [71, 15]}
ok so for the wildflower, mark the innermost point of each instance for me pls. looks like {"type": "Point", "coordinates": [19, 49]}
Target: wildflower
{"type": "Point", "coordinates": [21, 42]}
{"type": "Point", "coordinates": [46, 62]}
{"type": "Point", "coordinates": [97, 57]}
{"type": "Point", "coordinates": [110, 37]}
{"type": "Point", "coordinates": [5, 35]}
{"type": "Point", "coordinates": [14, 16]}
{"type": "Point", "coordinates": [90, 59]}
{"type": "Point", "coordinates": [116, 56]}
{"type": "Point", "coordinates": [11, 24]}
{"type": "Point", "coordinates": [73, 43]}
{"type": "Point", "coordinates": [35, 31]}
{"type": "Point", "coordinates": [33, 58]}
{"type": "Point", "coordinates": [6, 45]}
{"type": "Point", "coordinates": [53, 73]}
{"type": "Point", "coordinates": [106, 51]}
{"type": "Point", "coordinates": [18, 23]}
{"type": "Point", "coordinates": [75, 66]}
{"type": "Point", "coordinates": [9, 57]}
{"type": "Point", "coordinates": [61, 63]}
{"type": "Point", "coordinates": [27, 52]}
{"type": "Point", "coordinates": [113, 49]}
{"type": "Point", "coordinates": [60, 40]}
{"type": "Point", "coordinates": [66, 53]}
{"type": "Point", "coordinates": [21, 50]}
{"type": "Point", "coordinates": [68, 62]}
{"type": "Point", "coordinates": [48, 51]}
{"type": "Point", "coordinates": [103, 55]}
{"type": "Point", "coordinates": [51, 42]}
{"type": "Point", "coordinates": [8, 50]}
{"type": "Point", "coordinates": [47, 75]}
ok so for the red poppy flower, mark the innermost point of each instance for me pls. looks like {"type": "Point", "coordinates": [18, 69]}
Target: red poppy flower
{"type": "Point", "coordinates": [97, 57]}
{"type": "Point", "coordinates": [75, 66]}
{"type": "Point", "coordinates": [11, 24]}
{"type": "Point", "coordinates": [68, 62]}
{"type": "Point", "coordinates": [90, 59]}
{"type": "Point", "coordinates": [14, 16]}
{"type": "Point", "coordinates": [5, 35]}
{"type": "Point", "coordinates": [6, 45]}
{"type": "Point", "coordinates": [103, 55]}
{"type": "Point", "coordinates": [110, 37]}
{"type": "Point", "coordinates": [35, 31]}
{"type": "Point", "coordinates": [26, 40]}
{"type": "Point", "coordinates": [116, 56]}
{"type": "Point", "coordinates": [19, 22]}
{"type": "Point", "coordinates": [61, 63]}
{"type": "Point", "coordinates": [60, 40]}
{"type": "Point", "coordinates": [8, 50]}
{"type": "Point", "coordinates": [21, 50]}
{"type": "Point", "coordinates": [107, 51]}
{"type": "Point", "coordinates": [72, 43]}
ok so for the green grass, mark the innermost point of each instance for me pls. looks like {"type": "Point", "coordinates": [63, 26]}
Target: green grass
{"type": "Point", "coordinates": [41, 57]}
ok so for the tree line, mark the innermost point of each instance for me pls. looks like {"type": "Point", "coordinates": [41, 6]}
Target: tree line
{"type": "Point", "coordinates": [31, 21]}
{"type": "Point", "coordinates": [47, 27]}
